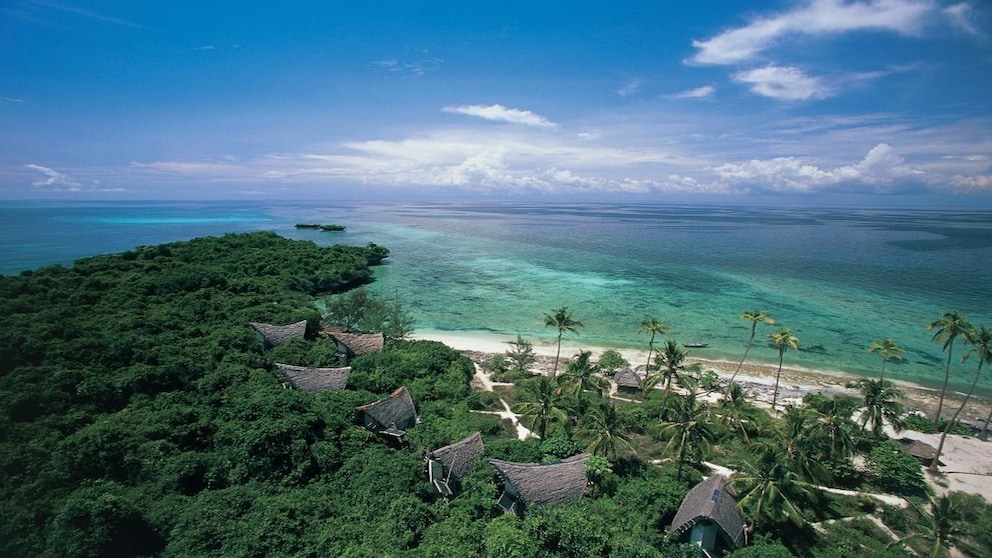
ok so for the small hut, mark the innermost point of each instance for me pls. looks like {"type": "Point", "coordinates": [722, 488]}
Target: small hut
{"type": "Point", "coordinates": [445, 466]}
{"type": "Point", "coordinates": [390, 417]}
{"type": "Point", "coordinates": [315, 379]}
{"type": "Point", "coordinates": [351, 345]}
{"type": "Point", "coordinates": [922, 451]}
{"type": "Point", "coordinates": [559, 482]}
{"type": "Point", "coordinates": [709, 517]}
{"type": "Point", "coordinates": [628, 381]}
{"type": "Point", "coordinates": [273, 335]}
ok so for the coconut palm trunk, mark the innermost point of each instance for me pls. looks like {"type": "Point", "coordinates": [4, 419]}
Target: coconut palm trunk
{"type": "Point", "coordinates": [949, 327]}
{"type": "Point", "coordinates": [753, 316]}
{"type": "Point", "coordinates": [982, 341]}
{"type": "Point", "coordinates": [783, 339]}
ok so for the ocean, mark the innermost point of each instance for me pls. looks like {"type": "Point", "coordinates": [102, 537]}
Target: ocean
{"type": "Point", "coordinates": [839, 277]}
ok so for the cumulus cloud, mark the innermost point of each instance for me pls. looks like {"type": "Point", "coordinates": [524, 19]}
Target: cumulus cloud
{"type": "Point", "coordinates": [697, 93]}
{"type": "Point", "coordinates": [815, 18]}
{"type": "Point", "coordinates": [786, 83]}
{"type": "Point", "coordinates": [55, 179]}
{"type": "Point", "coordinates": [880, 167]}
{"type": "Point", "coordinates": [499, 113]}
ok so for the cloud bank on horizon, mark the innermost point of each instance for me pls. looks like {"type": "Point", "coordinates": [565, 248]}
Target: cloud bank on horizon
{"type": "Point", "coordinates": [833, 97]}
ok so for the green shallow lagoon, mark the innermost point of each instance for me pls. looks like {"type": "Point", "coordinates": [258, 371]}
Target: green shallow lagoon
{"type": "Point", "coordinates": [840, 278]}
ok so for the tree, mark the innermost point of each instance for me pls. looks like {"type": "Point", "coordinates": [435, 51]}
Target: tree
{"type": "Point", "coordinates": [603, 431]}
{"type": "Point", "coordinates": [737, 414]}
{"type": "Point", "coordinates": [949, 327]}
{"type": "Point", "coordinates": [753, 316]}
{"type": "Point", "coordinates": [880, 405]}
{"type": "Point", "coordinates": [580, 377]}
{"type": "Point", "coordinates": [768, 488]}
{"type": "Point", "coordinates": [939, 525]}
{"type": "Point", "coordinates": [689, 431]}
{"type": "Point", "coordinates": [669, 367]}
{"type": "Point", "coordinates": [888, 348]}
{"type": "Point", "coordinates": [561, 319]}
{"type": "Point", "coordinates": [981, 341]}
{"type": "Point", "coordinates": [652, 326]}
{"type": "Point", "coordinates": [783, 340]}
{"type": "Point", "coordinates": [538, 406]}
{"type": "Point", "coordinates": [611, 360]}
{"type": "Point", "coordinates": [521, 355]}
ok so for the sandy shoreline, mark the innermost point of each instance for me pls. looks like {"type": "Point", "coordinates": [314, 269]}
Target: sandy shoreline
{"type": "Point", "coordinates": [967, 460]}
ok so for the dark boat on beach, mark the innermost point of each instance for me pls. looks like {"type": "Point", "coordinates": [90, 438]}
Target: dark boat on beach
{"type": "Point", "coordinates": [308, 225]}
{"type": "Point", "coordinates": [332, 227]}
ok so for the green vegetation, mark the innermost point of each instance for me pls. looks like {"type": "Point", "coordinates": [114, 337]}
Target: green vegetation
{"type": "Point", "coordinates": [140, 415]}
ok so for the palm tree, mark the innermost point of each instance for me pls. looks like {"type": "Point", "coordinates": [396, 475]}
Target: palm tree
{"type": "Point", "coordinates": [561, 319]}
{"type": "Point", "coordinates": [603, 431]}
{"type": "Point", "coordinates": [669, 366]}
{"type": "Point", "coordinates": [768, 488]}
{"type": "Point", "coordinates": [939, 525]}
{"type": "Point", "coordinates": [737, 414]}
{"type": "Point", "coordinates": [580, 377]}
{"type": "Point", "coordinates": [654, 326]}
{"type": "Point", "coordinates": [689, 431]}
{"type": "Point", "coordinates": [831, 433]}
{"type": "Point", "coordinates": [753, 316]}
{"type": "Point", "coordinates": [949, 327]}
{"type": "Point", "coordinates": [539, 405]}
{"type": "Point", "coordinates": [880, 402]}
{"type": "Point", "coordinates": [783, 339]}
{"type": "Point", "coordinates": [888, 348]}
{"type": "Point", "coordinates": [981, 341]}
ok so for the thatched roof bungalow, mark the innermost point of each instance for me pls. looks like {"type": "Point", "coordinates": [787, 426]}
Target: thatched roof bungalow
{"type": "Point", "coordinates": [922, 451]}
{"type": "Point", "coordinates": [273, 335]}
{"type": "Point", "coordinates": [446, 465]}
{"type": "Point", "coordinates": [390, 417]}
{"type": "Point", "coordinates": [554, 483]}
{"type": "Point", "coordinates": [709, 517]}
{"type": "Point", "coordinates": [315, 379]}
{"type": "Point", "coordinates": [351, 345]}
{"type": "Point", "coordinates": [627, 381]}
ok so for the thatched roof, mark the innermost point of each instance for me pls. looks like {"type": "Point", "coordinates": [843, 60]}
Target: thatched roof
{"type": "Point", "coordinates": [544, 483]}
{"type": "Point", "coordinates": [627, 378]}
{"type": "Point", "coordinates": [459, 456]}
{"type": "Point", "coordinates": [711, 501]}
{"type": "Point", "coordinates": [274, 335]}
{"type": "Point", "coordinates": [359, 344]}
{"type": "Point", "coordinates": [315, 379]}
{"type": "Point", "coordinates": [394, 412]}
{"type": "Point", "coordinates": [920, 450]}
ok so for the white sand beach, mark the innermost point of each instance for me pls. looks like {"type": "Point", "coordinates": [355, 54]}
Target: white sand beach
{"type": "Point", "coordinates": [967, 460]}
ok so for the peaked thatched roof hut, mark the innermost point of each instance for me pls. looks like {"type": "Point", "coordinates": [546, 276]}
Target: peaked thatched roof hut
{"type": "Point", "coordinates": [541, 483]}
{"type": "Point", "coordinates": [446, 465]}
{"type": "Point", "coordinates": [315, 379]}
{"type": "Point", "coordinates": [273, 335]}
{"type": "Point", "coordinates": [390, 417]}
{"type": "Point", "coordinates": [922, 451]}
{"type": "Point", "coordinates": [351, 345]}
{"type": "Point", "coordinates": [627, 380]}
{"type": "Point", "coordinates": [709, 514]}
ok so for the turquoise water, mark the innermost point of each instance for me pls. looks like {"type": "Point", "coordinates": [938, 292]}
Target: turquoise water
{"type": "Point", "coordinates": [840, 278]}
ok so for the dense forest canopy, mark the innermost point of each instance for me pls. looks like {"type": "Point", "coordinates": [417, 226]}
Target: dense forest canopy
{"type": "Point", "coordinates": [140, 415]}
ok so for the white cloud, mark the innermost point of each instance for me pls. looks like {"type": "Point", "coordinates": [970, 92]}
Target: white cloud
{"type": "Point", "coordinates": [880, 167]}
{"type": "Point", "coordinates": [961, 16]}
{"type": "Point", "coordinates": [11, 100]}
{"type": "Point", "coordinates": [631, 87]}
{"type": "Point", "coordinates": [697, 93]}
{"type": "Point", "coordinates": [499, 113]}
{"type": "Point", "coordinates": [60, 181]}
{"type": "Point", "coordinates": [410, 69]}
{"type": "Point", "coordinates": [786, 83]}
{"type": "Point", "coordinates": [815, 18]}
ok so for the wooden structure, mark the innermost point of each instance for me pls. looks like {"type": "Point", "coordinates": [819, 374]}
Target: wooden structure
{"type": "Point", "coordinates": [273, 335]}
{"type": "Point", "coordinates": [628, 381]}
{"type": "Point", "coordinates": [351, 345]}
{"type": "Point", "coordinates": [315, 379]}
{"type": "Point", "coordinates": [525, 484]}
{"type": "Point", "coordinates": [445, 466]}
{"type": "Point", "coordinates": [922, 451]}
{"type": "Point", "coordinates": [390, 417]}
{"type": "Point", "coordinates": [709, 517]}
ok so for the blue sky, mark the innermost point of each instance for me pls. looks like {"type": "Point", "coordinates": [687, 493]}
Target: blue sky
{"type": "Point", "coordinates": [873, 101]}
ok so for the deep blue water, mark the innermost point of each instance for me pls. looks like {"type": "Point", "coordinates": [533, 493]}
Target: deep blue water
{"type": "Point", "coordinates": [840, 278]}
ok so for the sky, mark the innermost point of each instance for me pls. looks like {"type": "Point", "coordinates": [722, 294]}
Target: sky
{"type": "Point", "coordinates": [870, 101]}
